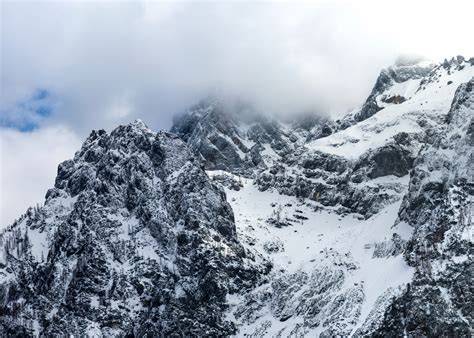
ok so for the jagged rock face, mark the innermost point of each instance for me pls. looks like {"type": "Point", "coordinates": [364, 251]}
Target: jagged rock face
{"type": "Point", "coordinates": [212, 135]}
{"type": "Point", "coordinates": [391, 159]}
{"type": "Point", "coordinates": [439, 301]}
{"type": "Point", "coordinates": [243, 142]}
{"type": "Point", "coordinates": [335, 181]}
{"type": "Point", "coordinates": [133, 239]}
{"type": "Point", "coordinates": [331, 190]}
{"type": "Point", "coordinates": [316, 296]}
{"type": "Point", "coordinates": [386, 79]}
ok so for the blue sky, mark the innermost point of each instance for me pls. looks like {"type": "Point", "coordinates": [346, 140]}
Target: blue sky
{"type": "Point", "coordinates": [28, 114]}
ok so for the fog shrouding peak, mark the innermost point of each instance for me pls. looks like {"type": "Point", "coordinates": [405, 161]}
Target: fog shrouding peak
{"type": "Point", "coordinates": [107, 63]}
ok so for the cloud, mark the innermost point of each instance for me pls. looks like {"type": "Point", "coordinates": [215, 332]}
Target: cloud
{"type": "Point", "coordinates": [110, 62]}
{"type": "Point", "coordinates": [29, 165]}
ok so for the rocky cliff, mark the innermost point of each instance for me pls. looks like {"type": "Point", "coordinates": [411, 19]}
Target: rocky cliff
{"type": "Point", "coordinates": [134, 239]}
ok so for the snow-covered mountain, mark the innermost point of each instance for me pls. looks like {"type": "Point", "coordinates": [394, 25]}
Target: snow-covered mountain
{"type": "Point", "coordinates": [238, 223]}
{"type": "Point", "coordinates": [134, 239]}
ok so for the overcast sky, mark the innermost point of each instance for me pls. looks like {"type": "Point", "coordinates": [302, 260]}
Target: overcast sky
{"type": "Point", "coordinates": [67, 68]}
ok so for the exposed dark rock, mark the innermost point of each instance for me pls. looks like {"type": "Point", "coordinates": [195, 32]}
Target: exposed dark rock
{"type": "Point", "coordinates": [391, 159]}
{"type": "Point", "coordinates": [396, 99]}
{"type": "Point", "coordinates": [137, 241]}
{"type": "Point", "coordinates": [224, 138]}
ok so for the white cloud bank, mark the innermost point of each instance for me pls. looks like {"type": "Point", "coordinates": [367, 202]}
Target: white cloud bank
{"type": "Point", "coordinates": [110, 62]}
{"type": "Point", "coordinates": [29, 165]}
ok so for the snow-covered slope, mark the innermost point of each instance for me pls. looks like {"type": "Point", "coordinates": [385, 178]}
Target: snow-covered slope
{"type": "Point", "coordinates": [412, 106]}
{"type": "Point", "coordinates": [331, 274]}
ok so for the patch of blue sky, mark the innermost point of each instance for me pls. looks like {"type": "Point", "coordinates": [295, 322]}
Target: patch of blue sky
{"type": "Point", "coordinates": [44, 111]}
{"type": "Point", "coordinates": [23, 125]}
{"type": "Point", "coordinates": [28, 114]}
{"type": "Point", "coordinates": [40, 94]}
{"type": "Point", "coordinates": [39, 102]}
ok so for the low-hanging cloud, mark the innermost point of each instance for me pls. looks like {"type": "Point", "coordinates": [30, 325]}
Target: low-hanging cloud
{"type": "Point", "coordinates": [107, 63]}
{"type": "Point", "coordinates": [29, 166]}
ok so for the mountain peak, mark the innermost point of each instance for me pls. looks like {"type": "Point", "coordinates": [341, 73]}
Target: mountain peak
{"type": "Point", "coordinates": [139, 124]}
{"type": "Point", "coordinates": [133, 232]}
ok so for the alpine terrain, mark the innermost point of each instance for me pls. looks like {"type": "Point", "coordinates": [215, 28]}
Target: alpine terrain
{"type": "Point", "coordinates": [242, 223]}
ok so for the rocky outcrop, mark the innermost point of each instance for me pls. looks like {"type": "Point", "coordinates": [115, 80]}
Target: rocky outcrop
{"type": "Point", "coordinates": [391, 159]}
{"type": "Point", "coordinates": [318, 297]}
{"type": "Point", "coordinates": [335, 181]}
{"type": "Point", "coordinates": [212, 135]}
{"type": "Point", "coordinates": [242, 141]}
{"type": "Point", "coordinates": [439, 301]}
{"type": "Point", "coordinates": [400, 72]}
{"type": "Point", "coordinates": [134, 239]}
